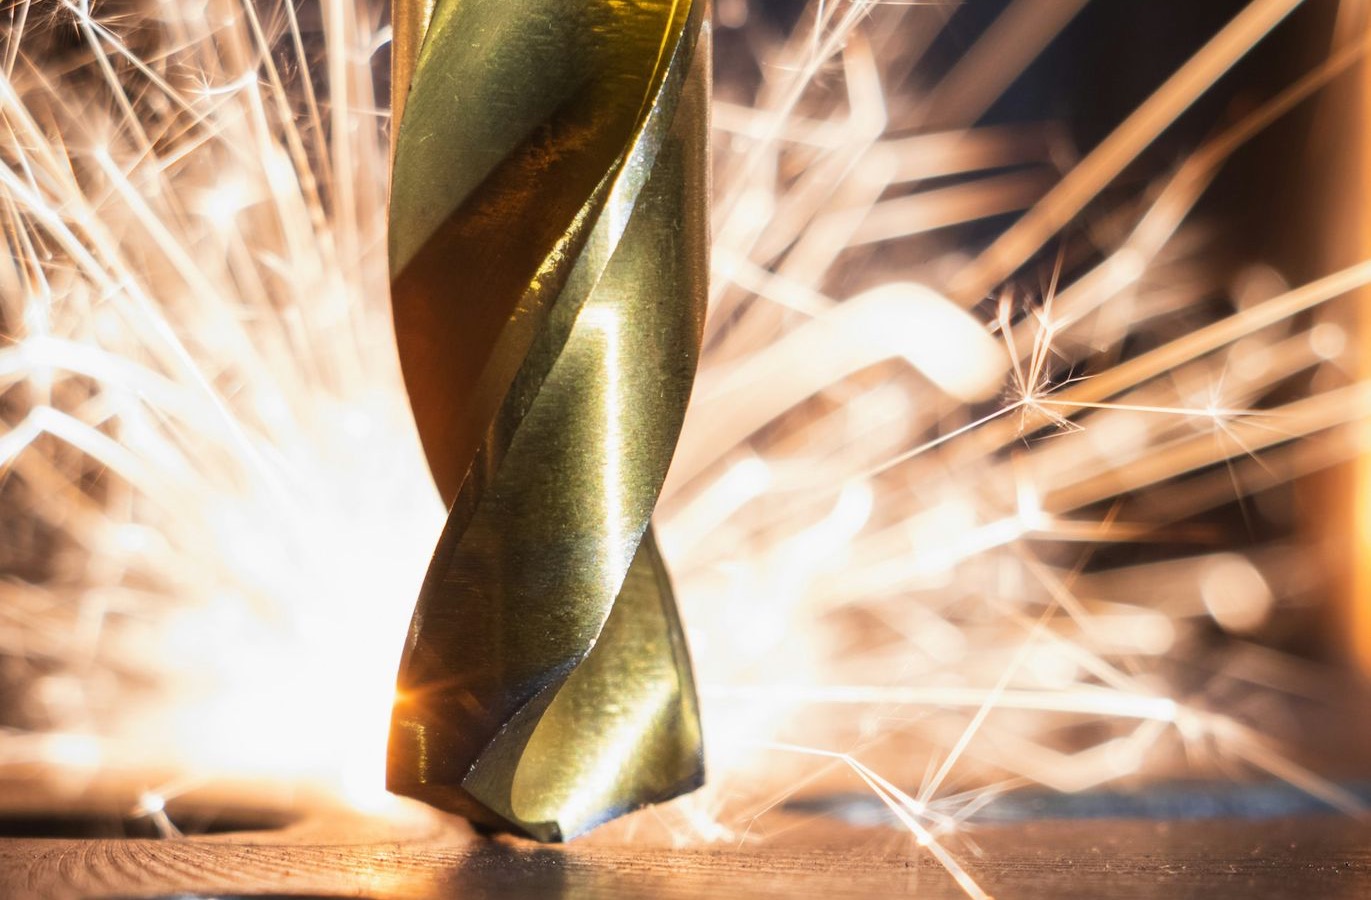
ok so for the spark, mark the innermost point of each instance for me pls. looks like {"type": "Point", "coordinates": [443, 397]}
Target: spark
{"type": "Point", "coordinates": [1108, 159]}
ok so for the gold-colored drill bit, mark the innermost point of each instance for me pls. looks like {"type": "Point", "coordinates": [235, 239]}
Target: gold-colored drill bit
{"type": "Point", "coordinates": [548, 241]}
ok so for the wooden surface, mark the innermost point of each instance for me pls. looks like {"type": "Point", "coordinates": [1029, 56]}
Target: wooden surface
{"type": "Point", "coordinates": [346, 855]}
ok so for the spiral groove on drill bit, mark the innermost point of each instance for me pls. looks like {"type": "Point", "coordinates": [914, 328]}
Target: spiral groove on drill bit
{"type": "Point", "coordinates": [548, 241]}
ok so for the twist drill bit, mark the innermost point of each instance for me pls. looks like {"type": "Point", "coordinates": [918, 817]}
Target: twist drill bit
{"type": "Point", "coordinates": [548, 242]}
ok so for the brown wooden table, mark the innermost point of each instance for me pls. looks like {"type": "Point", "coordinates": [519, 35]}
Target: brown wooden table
{"type": "Point", "coordinates": [332, 853]}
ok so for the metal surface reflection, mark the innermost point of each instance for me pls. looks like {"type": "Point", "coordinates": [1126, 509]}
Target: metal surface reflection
{"type": "Point", "coordinates": [548, 241]}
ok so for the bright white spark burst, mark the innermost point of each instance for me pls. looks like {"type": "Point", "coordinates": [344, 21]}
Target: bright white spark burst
{"type": "Point", "coordinates": [226, 513]}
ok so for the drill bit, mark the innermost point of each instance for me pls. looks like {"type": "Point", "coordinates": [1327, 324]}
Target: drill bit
{"type": "Point", "coordinates": [548, 241]}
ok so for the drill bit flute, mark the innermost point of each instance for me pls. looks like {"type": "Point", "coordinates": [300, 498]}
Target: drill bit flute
{"type": "Point", "coordinates": [548, 243]}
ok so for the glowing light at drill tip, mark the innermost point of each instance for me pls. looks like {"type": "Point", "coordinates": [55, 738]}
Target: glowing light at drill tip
{"type": "Point", "coordinates": [313, 699]}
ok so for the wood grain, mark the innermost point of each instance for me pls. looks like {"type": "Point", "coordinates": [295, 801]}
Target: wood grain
{"type": "Point", "coordinates": [420, 856]}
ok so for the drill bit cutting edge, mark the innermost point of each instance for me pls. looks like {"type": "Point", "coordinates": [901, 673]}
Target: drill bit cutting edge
{"type": "Point", "coordinates": [548, 241]}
